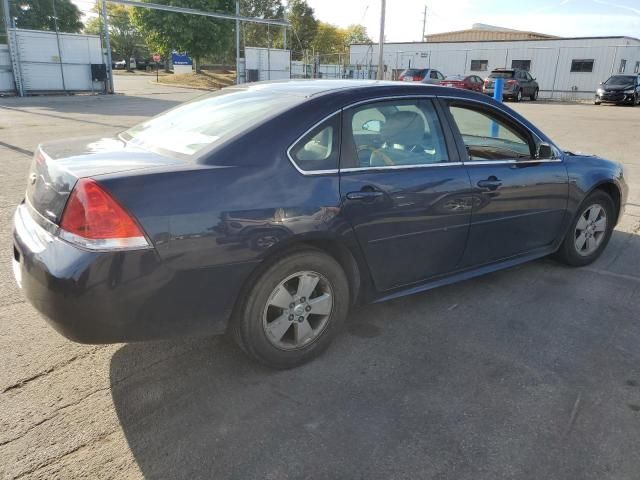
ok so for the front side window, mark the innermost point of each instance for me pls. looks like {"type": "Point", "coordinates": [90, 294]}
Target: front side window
{"type": "Point", "coordinates": [318, 149]}
{"type": "Point", "coordinates": [488, 137]}
{"type": "Point", "coordinates": [393, 133]}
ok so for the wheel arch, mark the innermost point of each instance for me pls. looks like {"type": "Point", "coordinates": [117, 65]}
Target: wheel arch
{"type": "Point", "coordinates": [354, 267]}
{"type": "Point", "coordinates": [610, 188]}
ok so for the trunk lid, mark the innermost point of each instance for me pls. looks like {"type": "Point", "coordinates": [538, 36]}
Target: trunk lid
{"type": "Point", "coordinates": [57, 166]}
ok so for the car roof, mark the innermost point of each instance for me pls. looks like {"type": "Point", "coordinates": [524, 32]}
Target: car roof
{"type": "Point", "coordinates": [310, 88]}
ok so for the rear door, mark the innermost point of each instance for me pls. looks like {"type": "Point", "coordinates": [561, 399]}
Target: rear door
{"type": "Point", "coordinates": [519, 201]}
{"type": "Point", "coordinates": [404, 190]}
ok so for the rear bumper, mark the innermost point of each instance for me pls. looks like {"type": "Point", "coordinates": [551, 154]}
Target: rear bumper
{"type": "Point", "coordinates": [110, 297]}
{"type": "Point", "coordinates": [505, 92]}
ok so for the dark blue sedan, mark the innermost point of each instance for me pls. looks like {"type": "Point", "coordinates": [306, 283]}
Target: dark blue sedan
{"type": "Point", "coordinates": [268, 210]}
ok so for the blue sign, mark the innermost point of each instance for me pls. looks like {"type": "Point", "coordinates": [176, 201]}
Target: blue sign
{"type": "Point", "coordinates": [178, 59]}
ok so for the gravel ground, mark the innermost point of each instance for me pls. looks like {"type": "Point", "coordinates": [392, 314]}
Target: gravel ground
{"type": "Point", "coordinates": [533, 372]}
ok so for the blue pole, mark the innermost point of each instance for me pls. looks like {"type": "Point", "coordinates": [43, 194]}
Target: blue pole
{"type": "Point", "coordinates": [497, 89]}
{"type": "Point", "coordinates": [497, 96]}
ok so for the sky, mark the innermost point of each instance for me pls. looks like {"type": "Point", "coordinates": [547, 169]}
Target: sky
{"type": "Point", "coordinates": [567, 18]}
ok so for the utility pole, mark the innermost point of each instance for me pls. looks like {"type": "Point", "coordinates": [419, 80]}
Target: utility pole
{"type": "Point", "coordinates": [238, 43]}
{"type": "Point", "coordinates": [107, 44]}
{"type": "Point", "coordinates": [380, 73]}
{"type": "Point", "coordinates": [55, 23]}
{"type": "Point", "coordinates": [424, 24]}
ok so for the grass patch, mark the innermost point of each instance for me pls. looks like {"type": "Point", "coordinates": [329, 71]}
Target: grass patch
{"type": "Point", "coordinates": [206, 80]}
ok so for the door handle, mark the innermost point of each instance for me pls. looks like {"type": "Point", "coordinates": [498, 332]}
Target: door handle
{"type": "Point", "coordinates": [364, 195]}
{"type": "Point", "coordinates": [491, 183]}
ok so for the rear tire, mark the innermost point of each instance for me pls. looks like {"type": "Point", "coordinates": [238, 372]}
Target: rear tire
{"type": "Point", "coordinates": [589, 232]}
{"type": "Point", "coordinates": [293, 309]}
{"type": "Point", "coordinates": [518, 95]}
{"type": "Point", "coordinates": [534, 95]}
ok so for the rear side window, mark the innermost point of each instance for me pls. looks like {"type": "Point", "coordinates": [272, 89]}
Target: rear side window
{"type": "Point", "coordinates": [319, 149]}
{"type": "Point", "coordinates": [393, 133]}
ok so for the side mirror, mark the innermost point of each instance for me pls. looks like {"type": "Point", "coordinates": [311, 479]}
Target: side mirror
{"type": "Point", "coordinates": [372, 125]}
{"type": "Point", "coordinates": [545, 152]}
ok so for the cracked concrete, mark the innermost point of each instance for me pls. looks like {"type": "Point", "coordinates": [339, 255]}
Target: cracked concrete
{"type": "Point", "coordinates": [527, 373]}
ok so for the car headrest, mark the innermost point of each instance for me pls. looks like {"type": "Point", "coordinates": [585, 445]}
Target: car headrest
{"type": "Point", "coordinates": [403, 128]}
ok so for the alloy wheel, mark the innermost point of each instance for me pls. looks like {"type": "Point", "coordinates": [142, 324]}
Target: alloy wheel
{"type": "Point", "coordinates": [590, 230]}
{"type": "Point", "coordinates": [298, 310]}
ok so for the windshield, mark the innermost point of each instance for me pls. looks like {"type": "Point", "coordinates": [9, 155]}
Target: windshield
{"type": "Point", "coordinates": [620, 80]}
{"type": "Point", "coordinates": [502, 74]}
{"type": "Point", "coordinates": [412, 72]}
{"type": "Point", "coordinates": [190, 128]}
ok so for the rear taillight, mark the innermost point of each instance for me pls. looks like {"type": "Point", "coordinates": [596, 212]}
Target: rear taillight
{"type": "Point", "coordinates": [93, 219]}
{"type": "Point", "coordinates": [416, 78]}
{"type": "Point", "coordinates": [486, 81]}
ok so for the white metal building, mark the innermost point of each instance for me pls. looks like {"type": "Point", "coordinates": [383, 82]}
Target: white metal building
{"type": "Point", "coordinates": [564, 67]}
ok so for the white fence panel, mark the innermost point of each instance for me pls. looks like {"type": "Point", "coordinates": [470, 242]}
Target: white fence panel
{"type": "Point", "coordinates": [6, 75]}
{"type": "Point", "coordinates": [58, 63]}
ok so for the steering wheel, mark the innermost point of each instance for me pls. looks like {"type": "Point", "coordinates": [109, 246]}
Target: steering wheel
{"type": "Point", "coordinates": [376, 151]}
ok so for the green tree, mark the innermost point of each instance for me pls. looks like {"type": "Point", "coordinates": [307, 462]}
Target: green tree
{"type": "Point", "coordinates": [259, 35]}
{"type": "Point", "coordinates": [303, 24]}
{"type": "Point", "coordinates": [196, 35]}
{"type": "Point", "coordinates": [125, 38]}
{"type": "Point", "coordinates": [39, 15]}
{"type": "Point", "coordinates": [328, 39]}
{"type": "Point", "coordinates": [356, 34]}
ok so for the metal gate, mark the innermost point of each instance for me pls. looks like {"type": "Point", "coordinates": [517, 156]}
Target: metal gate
{"type": "Point", "coordinates": [6, 75]}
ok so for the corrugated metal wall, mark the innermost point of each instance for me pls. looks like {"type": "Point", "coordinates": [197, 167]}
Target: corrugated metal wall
{"type": "Point", "coordinates": [550, 60]}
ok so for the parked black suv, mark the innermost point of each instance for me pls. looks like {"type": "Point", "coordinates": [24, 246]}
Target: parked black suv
{"type": "Point", "coordinates": [619, 89]}
{"type": "Point", "coordinates": [517, 84]}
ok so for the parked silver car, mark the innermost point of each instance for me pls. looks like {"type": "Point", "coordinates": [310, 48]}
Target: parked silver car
{"type": "Point", "coordinates": [422, 75]}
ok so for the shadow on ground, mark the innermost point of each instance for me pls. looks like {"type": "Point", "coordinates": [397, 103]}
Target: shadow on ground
{"type": "Point", "coordinates": [532, 373]}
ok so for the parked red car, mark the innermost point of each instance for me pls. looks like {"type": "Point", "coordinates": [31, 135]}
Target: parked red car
{"type": "Point", "coordinates": [468, 82]}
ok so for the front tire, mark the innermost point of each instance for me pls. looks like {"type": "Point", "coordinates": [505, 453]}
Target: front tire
{"type": "Point", "coordinates": [518, 96]}
{"type": "Point", "coordinates": [293, 310]}
{"type": "Point", "coordinates": [589, 232]}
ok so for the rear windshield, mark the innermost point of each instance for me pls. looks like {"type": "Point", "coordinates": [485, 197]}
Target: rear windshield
{"type": "Point", "coordinates": [502, 74]}
{"type": "Point", "coordinates": [620, 80]}
{"type": "Point", "coordinates": [413, 72]}
{"type": "Point", "coordinates": [205, 121]}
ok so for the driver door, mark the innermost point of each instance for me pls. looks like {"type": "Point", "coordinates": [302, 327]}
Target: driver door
{"type": "Point", "coordinates": [519, 200]}
{"type": "Point", "coordinates": [404, 190]}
